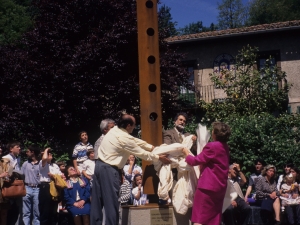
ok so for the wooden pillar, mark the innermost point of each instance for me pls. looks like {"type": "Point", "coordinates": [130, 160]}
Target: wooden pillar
{"type": "Point", "coordinates": [149, 79]}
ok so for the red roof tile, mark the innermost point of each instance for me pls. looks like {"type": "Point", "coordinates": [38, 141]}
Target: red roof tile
{"type": "Point", "coordinates": [236, 31]}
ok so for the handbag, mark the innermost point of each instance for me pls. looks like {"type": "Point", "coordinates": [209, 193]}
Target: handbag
{"type": "Point", "coordinates": [59, 182]}
{"type": "Point", "coordinates": [13, 189]}
{"type": "Point", "coordinates": [267, 204]}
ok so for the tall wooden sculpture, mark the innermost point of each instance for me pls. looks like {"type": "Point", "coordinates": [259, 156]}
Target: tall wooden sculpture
{"type": "Point", "coordinates": [149, 78]}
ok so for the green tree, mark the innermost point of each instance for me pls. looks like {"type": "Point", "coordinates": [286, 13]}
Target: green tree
{"type": "Point", "coordinates": [14, 21]}
{"type": "Point", "coordinates": [274, 139]}
{"type": "Point", "coordinates": [193, 28]}
{"type": "Point", "coordinates": [231, 14]}
{"type": "Point", "coordinates": [271, 11]}
{"type": "Point", "coordinates": [248, 90]}
{"type": "Point", "coordinates": [165, 23]}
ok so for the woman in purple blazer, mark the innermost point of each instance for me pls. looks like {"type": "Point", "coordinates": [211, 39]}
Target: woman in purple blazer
{"type": "Point", "coordinates": [212, 183]}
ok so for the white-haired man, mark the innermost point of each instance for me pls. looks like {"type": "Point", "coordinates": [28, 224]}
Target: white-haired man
{"type": "Point", "coordinates": [105, 126]}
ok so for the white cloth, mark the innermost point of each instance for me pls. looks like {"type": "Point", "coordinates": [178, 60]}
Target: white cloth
{"type": "Point", "coordinates": [13, 161]}
{"type": "Point", "coordinates": [230, 196]}
{"type": "Point", "coordinates": [89, 167]}
{"type": "Point", "coordinates": [48, 168]}
{"type": "Point", "coordinates": [183, 192]}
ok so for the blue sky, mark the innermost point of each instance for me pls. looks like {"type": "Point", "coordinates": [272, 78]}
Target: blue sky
{"type": "Point", "coordinates": [188, 11]}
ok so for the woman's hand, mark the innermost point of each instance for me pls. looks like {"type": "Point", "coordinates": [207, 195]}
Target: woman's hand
{"type": "Point", "coordinates": [4, 174]}
{"type": "Point", "coordinates": [273, 195]}
{"type": "Point", "coordinates": [185, 152]}
{"type": "Point", "coordinates": [79, 204]}
{"type": "Point", "coordinates": [164, 159]}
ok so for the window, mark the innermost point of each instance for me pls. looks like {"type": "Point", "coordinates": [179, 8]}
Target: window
{"type": "Point", "coordinates": [185, 94]}
{"type": "Point", "coordinates": [272, 58]}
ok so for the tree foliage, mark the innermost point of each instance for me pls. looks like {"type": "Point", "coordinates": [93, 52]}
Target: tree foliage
{"type": "Point", "coordinates": [77, 66]}
{"type": "Point", "coordinates": [248, 90]}
{"type": "Point", "coordinates": [252, 98]}
{"type": "Point", "coordinates": [166, 24]}
{"type": "Point", "coordinates": [232, 14]}
{"type": "Point", "coordinates": [195, 27]}
{"type": "Point", "coordinates": [274, 139]}
{"type": "Point", "coordinates": [14, 21]}
{"type": "Point", "coordinates": [271, 11]}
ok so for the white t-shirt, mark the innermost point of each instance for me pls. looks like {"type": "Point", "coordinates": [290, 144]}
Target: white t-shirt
{"type": "Point", "coordinates": [48, 168]}
{"type": "Point", "coordinates": [89, 167]}
{"type": "Point", "coordinates": [135, 167]}
{"type": "Point", "coordinates": [143, 197]}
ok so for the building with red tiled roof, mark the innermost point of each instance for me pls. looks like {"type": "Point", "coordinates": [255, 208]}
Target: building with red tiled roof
{"type": "Point", "coordinates": [208, 50]}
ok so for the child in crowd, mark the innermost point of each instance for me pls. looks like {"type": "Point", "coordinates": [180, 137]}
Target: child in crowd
{"type": "Point", "coordinates": [125, 191]}
{"type": "Point", "coordinates": [62, 168]}
{"type": "Point", "coordinates": [131, 168]}
{"type": "Point", "coordinates": [80, 150]}
{"type": "Point", "coordinates": [290, 201]}
{"type": "Point", "coordinates": [89, 165]}
{"type": "Point", "coordinates": [139, 197]}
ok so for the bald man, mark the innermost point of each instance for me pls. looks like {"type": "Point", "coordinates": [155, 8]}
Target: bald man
{"type": "Point", "coordinates": [113, 153]}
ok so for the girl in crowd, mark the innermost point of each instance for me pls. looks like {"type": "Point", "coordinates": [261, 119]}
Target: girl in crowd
{"type": "Point", "coordinates": [77, 197]}
{"type": "Point", "coordinates": [287, 170]}
{"type": "Point", "coordinates": [137, 191]}
{"type": "Point", "coordinates": [211, 188]}
{"type": "Point", "coordinates": [131, 168]}
{"type": "Point", "coordinates": [290, 191]}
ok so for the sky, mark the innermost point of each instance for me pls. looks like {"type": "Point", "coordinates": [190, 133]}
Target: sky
{"type": "Point", "coordinates": [188, 11]}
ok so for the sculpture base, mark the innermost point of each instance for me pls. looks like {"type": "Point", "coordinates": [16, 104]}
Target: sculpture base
{"type": "Point", "coordinates": [153, 214]}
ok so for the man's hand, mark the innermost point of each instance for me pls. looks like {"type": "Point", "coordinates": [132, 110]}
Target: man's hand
{"type": "Point", "coordinates": [234, 204]}
{"type": "Point", "coordinates": [51, 176]}
{"type": "Point", "coordinates": [236, 167]}
{"type": "Point", "coordinates": [194, 138]}
{"type": "Point", "coordinates": [185, 152]}
{"type": "Point", "coordinates": [164, 159]}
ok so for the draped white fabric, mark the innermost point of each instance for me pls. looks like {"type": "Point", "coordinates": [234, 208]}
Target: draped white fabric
{"type": "Point", "coordinates": [183, 192]}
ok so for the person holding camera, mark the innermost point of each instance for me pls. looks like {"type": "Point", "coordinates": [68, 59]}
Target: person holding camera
{"type": "Point", "coordinates": [238, 212]}
{"type": "Point", "coordinates": [47, 170]}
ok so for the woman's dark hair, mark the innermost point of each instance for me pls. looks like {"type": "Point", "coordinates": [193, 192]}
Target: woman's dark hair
{"type": "Point", "coordinates": [66, 171]}
{"type": "Point", "coordinates": [135, 176]}
{"type": "Point", "coordinates": [298, 173]}
{"type": "Point", "coordinates": [221, 131]}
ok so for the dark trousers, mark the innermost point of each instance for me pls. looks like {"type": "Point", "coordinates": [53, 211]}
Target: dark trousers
{"type": "Point", "coordinates": [237, 215]}
{"type": "Point", "coordinates": [15, 213]}
{"type": "Point", "coordinates": [293, 214]}
{"type": "Point", "coordinates": [106, 186]}
{"type": "Point", "coordinates": [47, 207]}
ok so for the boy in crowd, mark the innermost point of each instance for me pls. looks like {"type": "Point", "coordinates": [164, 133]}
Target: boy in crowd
{"type": "Point", "coordinates": [80, 150]}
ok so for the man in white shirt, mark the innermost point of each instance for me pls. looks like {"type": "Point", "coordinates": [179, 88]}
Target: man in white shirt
{"type": "Point", "coordinates": [48, 206]}
{"type": "Point", "coordinates": [113, 153]}
{"type": "Point", "coordinates": [238, 212]}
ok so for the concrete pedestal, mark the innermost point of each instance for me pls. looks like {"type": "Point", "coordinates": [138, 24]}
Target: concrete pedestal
{"type": "Point", "coordinates": [153, 214]}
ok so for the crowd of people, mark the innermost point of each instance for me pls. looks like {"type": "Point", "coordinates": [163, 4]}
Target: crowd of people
{"type": "Point", "coordinates": [102, 179]}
